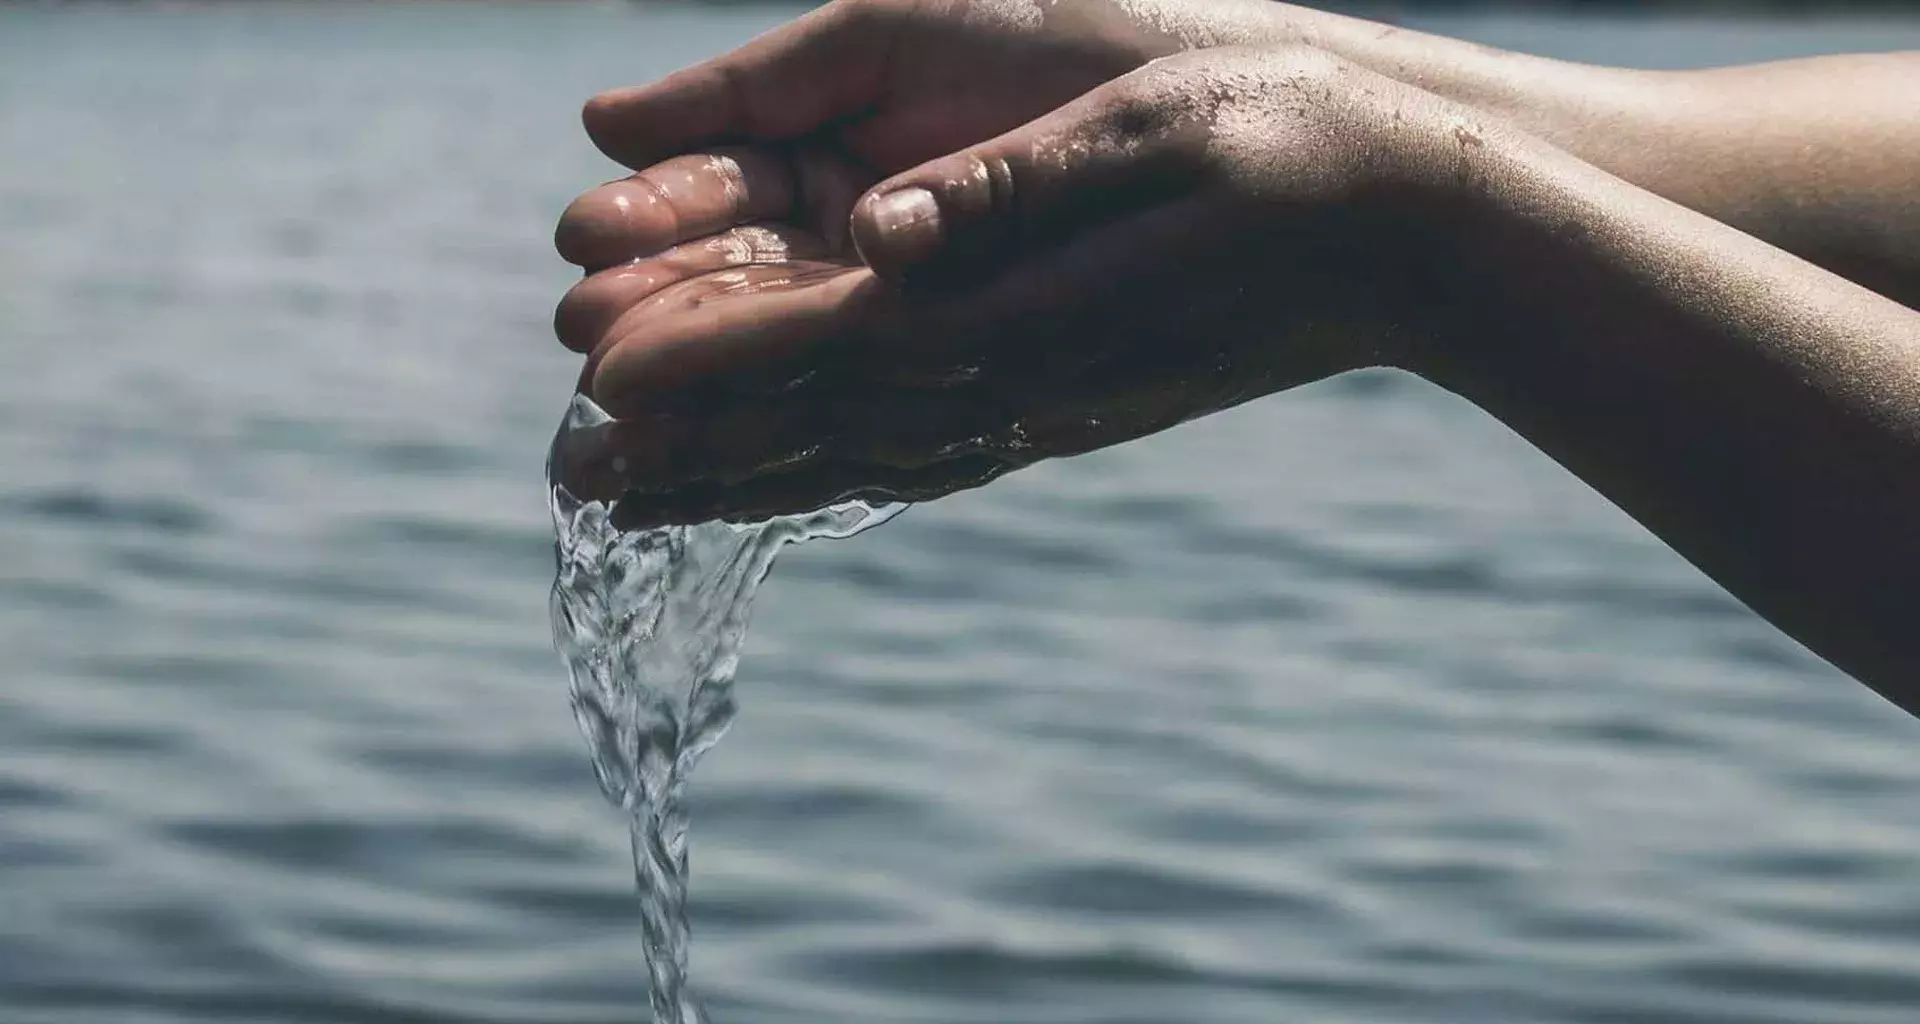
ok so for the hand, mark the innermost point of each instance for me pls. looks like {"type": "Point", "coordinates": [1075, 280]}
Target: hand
{"type": "Point", "coordinates": [1207, 229]}
{"type": "Point", "coordinates": [901, 81]}
{"type": "Point", "coordinates": [875, 87]}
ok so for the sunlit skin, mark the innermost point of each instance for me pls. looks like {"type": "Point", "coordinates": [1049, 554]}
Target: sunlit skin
{"type": "Point", "coordinates": [1119, 218]}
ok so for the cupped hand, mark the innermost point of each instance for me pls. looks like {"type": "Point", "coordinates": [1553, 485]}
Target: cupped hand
{"type": "Point", "coordinates": [854, 91]}
{"type": "Point", "coordinates": [1209, 228]}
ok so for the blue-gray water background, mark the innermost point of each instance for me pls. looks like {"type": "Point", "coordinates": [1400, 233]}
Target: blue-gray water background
{"type": "Point", "coordinates": [1346, 706]}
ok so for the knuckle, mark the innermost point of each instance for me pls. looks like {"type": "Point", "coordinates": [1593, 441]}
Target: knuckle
{"type": "Point", "coordinates": [974, 184]}
{"type": "Point", "coordinates": [1132, 96]}
{"type": "Point", "coordinates": [1141, 112]}
{"type": "Point", "coordinates": [658, 199]}
{"type": "Point", "coordinates": [992, 176]}
{"type": "Point", "coordinates": [1159, 103]}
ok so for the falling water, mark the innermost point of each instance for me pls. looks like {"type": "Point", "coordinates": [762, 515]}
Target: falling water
{"type": "Point", "coordinates": [649, 623]}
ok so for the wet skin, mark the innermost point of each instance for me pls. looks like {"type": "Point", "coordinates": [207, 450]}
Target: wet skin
{"type": "Point", "coordinates": [767, 369]}
{"type": "Point", "coordinates": [839, 273]}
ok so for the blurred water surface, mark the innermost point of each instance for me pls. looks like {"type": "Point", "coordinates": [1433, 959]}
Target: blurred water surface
{"type": "Point", "coordinates": [1345, 706]}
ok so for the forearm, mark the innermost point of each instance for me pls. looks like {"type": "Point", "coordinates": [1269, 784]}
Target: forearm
{"type": "Point", "coordinates": [1814, 156]}
{"type": "Point", "coordinates": [1820, 157]}
{"type": "Point", "coordinates": [1759, 414]}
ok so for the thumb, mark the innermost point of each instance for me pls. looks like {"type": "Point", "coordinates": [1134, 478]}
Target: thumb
{"type": "Point", "coordinates": [1110, 154]}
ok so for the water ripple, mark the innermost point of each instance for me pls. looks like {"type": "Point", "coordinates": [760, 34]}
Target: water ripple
{"type": "Point", "coordinates": [1345, 706]}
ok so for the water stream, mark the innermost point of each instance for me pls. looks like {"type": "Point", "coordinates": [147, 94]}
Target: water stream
{"type": "Point", "coordinates": [650, 623]}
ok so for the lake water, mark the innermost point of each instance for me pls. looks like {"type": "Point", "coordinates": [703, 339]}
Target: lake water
{"type": "Point", "coordinates": [1345, 706]}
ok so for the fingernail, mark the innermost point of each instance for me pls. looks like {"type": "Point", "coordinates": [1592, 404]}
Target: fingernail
{"type": "Point", "coordinates": [906, 227]}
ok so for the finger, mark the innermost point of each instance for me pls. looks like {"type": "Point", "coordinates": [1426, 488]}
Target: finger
{"type": "Point", "coordinates": [600, 463]}
{"type": "Point", "coordinates": [763, 330]}
{"type": "Point", "coordinates": [591, 307]}
{"type": "Point", "coordinates": [682, 198]}
{"type": "Point", "coordinates": [782, 435]}
{"type": "Point", "coordinates": [661, 456]}
{"type": "Point", "coordinates": [1115, 151]}
{"type": "Point", "coordinates": [791, 81]}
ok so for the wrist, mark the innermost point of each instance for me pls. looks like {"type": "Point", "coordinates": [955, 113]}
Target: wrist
{"type": "Point", "coordinates": [1591, 109]}
{"type": "Point", "coordinates": [1495, 218]}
